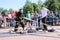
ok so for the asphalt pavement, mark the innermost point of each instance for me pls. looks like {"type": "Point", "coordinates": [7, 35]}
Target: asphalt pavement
{"type": "Point", "coordinates": [50, 35]}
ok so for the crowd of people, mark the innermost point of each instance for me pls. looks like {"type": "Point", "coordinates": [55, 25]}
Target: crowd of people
{"type": "Point", "coordinates": [15, 19]}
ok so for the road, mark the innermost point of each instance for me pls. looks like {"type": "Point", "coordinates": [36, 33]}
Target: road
{"type": "Point", "coordinates": [39, 35]}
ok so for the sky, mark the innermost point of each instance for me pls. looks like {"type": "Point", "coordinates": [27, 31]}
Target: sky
{"type": "Point", "coordinates": [14, 4]}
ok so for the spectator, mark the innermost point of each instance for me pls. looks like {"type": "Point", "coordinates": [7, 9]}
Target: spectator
{"type": "Point", "coordinates": [5, 19]}
{"type": "Point", "coordinates": [36, 15]}
{"type": "Point", "coordinates": [11, 22]}
{"type": "Point", "coordinates": [50, 18]}
{"type": "Point", "coordinates": [39, 19]}
{"type": "Point", "coordinates": [58, 17]}
{"type": "Point", "coordinates": [0, 20]}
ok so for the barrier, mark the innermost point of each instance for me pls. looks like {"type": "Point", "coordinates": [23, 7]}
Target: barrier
{"type": "Point", "coordinates": [53, 20]}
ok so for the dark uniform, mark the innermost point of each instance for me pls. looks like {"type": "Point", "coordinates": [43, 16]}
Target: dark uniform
{"type": "Point", "coordinates": [18, 19]}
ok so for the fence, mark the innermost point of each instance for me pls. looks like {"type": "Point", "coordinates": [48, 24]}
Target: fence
{"type": "Point", "coordinates": [52, 21]}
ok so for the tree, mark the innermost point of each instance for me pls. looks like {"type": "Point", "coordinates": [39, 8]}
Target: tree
{"type": "Point", "coordinates": [58, 0]}
{"type": "Point", "coordinates": [10, 10]}
{"type": "Point", "coordinates": [32, 7]}
{"type": "Point", "coordinates": [36, 7]}
{"type": "Point", "coordinates": [1, 9]}
{"type": "Point", "coordinates": [28, 7]}
{"type": "Point", "coordinates": [3, 12]}
{"type": "Point", "coordinates": [59, 4]}
{"type": "Point", "coordinates": [52, 5]}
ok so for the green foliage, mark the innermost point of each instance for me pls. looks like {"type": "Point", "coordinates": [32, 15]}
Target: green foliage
{"type": "Point", "coordinates": [36, 7]}
{"type": "Point", "coordinates": [53, 5]}
{"type": "Point", "coordinates": [4, 11]}
{"type": "Point", "coordinates": [10, 10]}
{"type": "Point", "coordinates": [31, 7]}
{"type": "Point", "coordinates": [1, 9]}
{"type": "Point", "coordinates": [28, 7]}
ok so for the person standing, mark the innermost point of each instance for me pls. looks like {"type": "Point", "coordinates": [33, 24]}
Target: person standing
{"type": "Point", "coordinates": [44, 13]}
{"type": "Point", "coordinates": [36, 19]}
{"type": "Point", "coordinates": [58, 18]}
